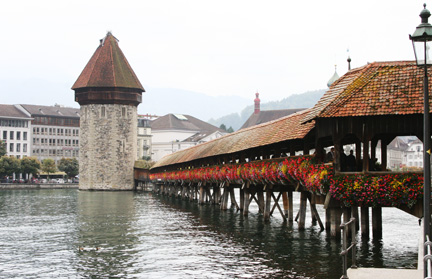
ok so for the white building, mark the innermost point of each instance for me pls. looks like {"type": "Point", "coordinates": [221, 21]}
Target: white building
{"type": "Point", "coordinates": [144, 149]}
{"type": "Point", "coordinates": [413, 156]}
{"type": "Point", "coordinates": [174, 132]}
{"type": "Point", "coordinates": [15, 131]}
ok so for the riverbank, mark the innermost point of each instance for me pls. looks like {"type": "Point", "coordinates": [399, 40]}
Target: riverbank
{"type": "Point", "coordinates": [20, 186]}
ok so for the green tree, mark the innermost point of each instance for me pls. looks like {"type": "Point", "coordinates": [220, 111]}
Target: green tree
{"type": "Point", "coordinates": [70, 166]}
{"type": "Point", "coordinates": [9, 166]}
{"type": "Point", "coordinates": [48, 166]}
{"type": "Point", "coordinates": [223, 127]}
{"type": "Point", "coordinates": [30, 165]}
{"type": "Point", "coordinates": [2, 148]}
{"type": "Point", "coordinates": [230, 129]}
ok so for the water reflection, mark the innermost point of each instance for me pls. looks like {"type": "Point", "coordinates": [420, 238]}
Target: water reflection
{"type": "Point", "coordinates": [106, 238]}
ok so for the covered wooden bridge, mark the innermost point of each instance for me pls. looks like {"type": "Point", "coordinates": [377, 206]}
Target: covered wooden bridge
{"type": "Point", "coordinates": [266, 163]}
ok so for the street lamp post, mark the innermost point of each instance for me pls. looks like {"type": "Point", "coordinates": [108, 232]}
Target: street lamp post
{"type": "Point", "coordinates": [421, 40]}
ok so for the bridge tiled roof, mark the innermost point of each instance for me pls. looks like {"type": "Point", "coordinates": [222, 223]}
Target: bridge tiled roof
{"type": "Point", "coordinates": [283, 129]}
{"type": "Point", "coordinates": [378, 88]}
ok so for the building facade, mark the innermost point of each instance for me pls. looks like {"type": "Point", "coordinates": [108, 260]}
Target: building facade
{"type": "Point", "coordinates": [144, 141]}
{"type": "Point", "coordinates": [54, 131]}
{"type": "Point", "coordinates": [15, 131]}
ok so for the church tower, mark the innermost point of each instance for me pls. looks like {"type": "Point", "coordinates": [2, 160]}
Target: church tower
{"type": "Point", "coordinates": [109, 93]}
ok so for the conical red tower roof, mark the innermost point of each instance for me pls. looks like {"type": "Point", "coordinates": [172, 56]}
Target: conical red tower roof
{"type": "Point", "coordinates": [108, 67]}
{"type": "Point", "coordinates": [108, 77]}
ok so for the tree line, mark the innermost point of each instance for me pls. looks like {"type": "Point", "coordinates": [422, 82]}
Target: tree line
{"type": "Point", "coordinates": [32, 166]}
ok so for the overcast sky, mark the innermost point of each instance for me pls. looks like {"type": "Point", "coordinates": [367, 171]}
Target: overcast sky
{"type": "Point", "coordinates": [223, 47]}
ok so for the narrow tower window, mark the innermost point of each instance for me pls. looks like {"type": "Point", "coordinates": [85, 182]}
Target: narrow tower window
{"type": "Point", "coordinates": [123, 112]}
{"type": "Point", "coordinates": [103, 112]}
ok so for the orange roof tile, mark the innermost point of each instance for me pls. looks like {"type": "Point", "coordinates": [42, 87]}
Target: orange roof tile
{"type": "Point", "coordinates": [379, 88]}
{"type": "Point", "coordinates": [283, 129]}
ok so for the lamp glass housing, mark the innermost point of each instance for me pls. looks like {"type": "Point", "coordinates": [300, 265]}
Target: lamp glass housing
{"type": "Point", "coordinates": [422, 50]}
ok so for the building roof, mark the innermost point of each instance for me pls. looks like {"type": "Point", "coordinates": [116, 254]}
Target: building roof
{"type": "Point", "coordinates": [11, 111]}
{"type": "Point", "coordinates": [267, 115]}
{"type": "Point", "coordinates": [182, 122]}
{"type": "Point", "coordinates": [56, 111]}
{"type": "Point", "coordinates": [282, 129]}
{"type": "Point", "coordinates": [379, 88]}
{"type": "Point", "coordinates": [201, 135]}
{"type": "Point", "coordinates": [108, 67]}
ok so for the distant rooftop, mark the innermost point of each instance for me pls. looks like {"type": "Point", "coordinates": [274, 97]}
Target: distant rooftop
{"type": "Point", "coordinates": [59, 111]}
{"type": "Point", "coordinates": [264, 116]}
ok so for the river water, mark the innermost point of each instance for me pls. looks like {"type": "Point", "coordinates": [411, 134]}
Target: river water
{"type": "Point", "coordinates": [79, 234]}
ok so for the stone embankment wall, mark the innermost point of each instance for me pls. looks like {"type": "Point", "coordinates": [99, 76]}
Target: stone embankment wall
{"type": "Point", "coordinates": [108, 146]}
{"type": "Point", "coordinates": [16, 186]}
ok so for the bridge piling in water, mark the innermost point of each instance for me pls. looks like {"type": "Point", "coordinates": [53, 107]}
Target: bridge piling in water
{"type": "Point", "coordinates": [267, 201]}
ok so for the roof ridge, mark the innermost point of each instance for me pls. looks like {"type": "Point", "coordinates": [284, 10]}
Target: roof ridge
{"type": "Point", "coordinates": [352, 88]}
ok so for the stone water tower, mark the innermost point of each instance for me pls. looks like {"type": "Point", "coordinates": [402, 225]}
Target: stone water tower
{"type": "Point", "coordinates": [108, 92]}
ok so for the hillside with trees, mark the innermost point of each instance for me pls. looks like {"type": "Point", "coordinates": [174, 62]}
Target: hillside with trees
{"type": "Point", "coordinates": [304, 100]}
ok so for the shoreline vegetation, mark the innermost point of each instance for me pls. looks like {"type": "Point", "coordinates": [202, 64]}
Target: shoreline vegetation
{"type": "Point", "coordinates": [21, 186]}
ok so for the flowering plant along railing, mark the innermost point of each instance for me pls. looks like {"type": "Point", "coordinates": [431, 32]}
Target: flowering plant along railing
{"type": "Point", "coordinates": [314, 177]}
{"type": "Point", "coordinates": [350, 189]}
{"type": "Point", "coordinates": [384, 190]}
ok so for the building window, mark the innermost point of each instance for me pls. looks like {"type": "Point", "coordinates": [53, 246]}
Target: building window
{"type": "Point", "coordinates": [25, 147]}
{"type": "Point", "coordinates": [4, 135]}
{"type": "Point", "coordinates": [18, 147]}
{"type": "Point", "coordinates": [24, 135]}
{"type": "Point", "coordinates": [11, 147]}
{"type": "Point", "coordinates": [18, 136]}
{"type": "Point", "coordinates": [123, 112]}
{"type": "Point", "coordinates": [11, 135]}
{"type": "Point", "coordinates": [102, 111]}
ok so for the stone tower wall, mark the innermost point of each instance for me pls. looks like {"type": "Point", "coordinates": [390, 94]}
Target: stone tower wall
{"type": "Point", "coordinates": [108, 146]}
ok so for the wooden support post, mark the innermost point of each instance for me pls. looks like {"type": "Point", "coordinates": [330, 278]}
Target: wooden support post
{"type": "Point", "coordinates": [216, 194]}
{"type": "Point", "coordinates": [208, 195]}
{"type": "Point", "coordinates": [314, 211]}
{"type": "Point", "coordinates": [335, 230]}
{"type": "Point", "coordinates": [377, 222]}
{"type": "Point", "coordinates": [337, 154]}
{"type": "Point", "coordinates": [374, 143]}
{"type": "Point", "coordinates": [242, 199]}
{"type": "Point", "coordinates": [366, 155]}
{"type": "Point", "coordinates": [201, 194]}
{"type": "Point", "coordinates": [232, 198]}
{"type": "Point", "coordinates": [246, 200]}
{"type": "Point", "coordinates": [224, 201]}
{"type": "Point", "coordinates": [312, 207]}
{"type": "Point", "coordinates": [364, 221]}
{"type": "Point", "coordinates": [292, 150]}
{"type": "Point", "coordinates": [267, 204]}
{"type": "Point", "coordinates": [328, 219]}
{"type": "Point", "coordinates": [260, 202]}
{"type": "Point", "coordinates": [355, 214]}
{"type": "Point", "coordinates": [285, 203]}
{"type": "Point", "coordinates": [302, 212]}
{"type": "Point", "coordinates": [358, 154]}
{"type": "Point", "coordinates": [384, 143]}
{"type": "Point", "coordinates": [291, 208]}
